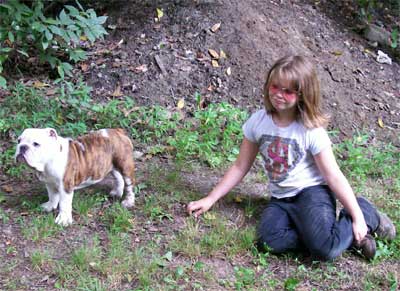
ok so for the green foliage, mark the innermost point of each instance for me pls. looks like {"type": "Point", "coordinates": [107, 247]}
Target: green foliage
{"type": "Point", "coordinates": [359, 159]}
{"type": "Point", "coordinates": [211, 136]}
{"type": "Point", "coordinates": [25, 32]}
{"type": "Point", "coordinates": [119, 219]}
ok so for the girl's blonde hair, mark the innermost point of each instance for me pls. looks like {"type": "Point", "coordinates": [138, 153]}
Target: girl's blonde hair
{"type": "Point", "coordinates": [300, 73]}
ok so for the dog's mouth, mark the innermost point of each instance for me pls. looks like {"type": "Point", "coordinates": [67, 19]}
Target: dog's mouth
{"type": "Point", "coordinates": [21, 159]}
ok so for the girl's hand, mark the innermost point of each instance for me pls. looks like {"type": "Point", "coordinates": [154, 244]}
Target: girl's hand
{"type": "Point", "coordinates": [360, 229]}
{"type": "Point", "coordinates": [200, 206]}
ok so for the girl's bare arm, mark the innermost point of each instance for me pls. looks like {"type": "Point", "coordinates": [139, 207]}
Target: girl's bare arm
{"type": "Point", "coordinates": [338, 183]}
{"type": "Point", "coordinates": [243, 163]}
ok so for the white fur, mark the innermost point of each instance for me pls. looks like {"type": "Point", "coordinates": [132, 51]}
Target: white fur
{"type": "Point", "coordinates": [48, 154]}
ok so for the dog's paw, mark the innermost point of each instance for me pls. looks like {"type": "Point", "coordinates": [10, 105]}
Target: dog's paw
{"type": "Point", "coordinates": [128, 202]}
{"type": "Point", "coordinates": [117, 192]}
{"type": "Point", "coordinates": [48, 206]}
{"type": "Point", "coordinates": [64, 219]}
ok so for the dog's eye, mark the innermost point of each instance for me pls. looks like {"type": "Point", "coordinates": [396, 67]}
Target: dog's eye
{"type": "Point", "coordinates": [19, 140]}
{"type": "Point", "coordinates": [35, 144]}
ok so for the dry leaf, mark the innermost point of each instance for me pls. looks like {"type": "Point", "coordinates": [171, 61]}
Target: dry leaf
{"type": "Point", "coordinates": [84, 67]}
{"type": "Point", "coordinates": [380, 122]}
{"type": "Point", "coordinates": [7, 188]}
{"type": "Point", "coordinates": [222, 54]}
{"type": "Point", "coordinates": [213, 53]}
{"type": "Point", "coordinates": [214, 63]}
{"type": "Point", "coordinates": [141, 69]}
{"type": "Point", "coordinates": [337, 53]}
{"type": "Point", "coordinates": [160, 13]}
{"type": "Point", "coordinates": [238, 199]}
{"type": "Point", "coordinates": [117, 92]}
{"type": "Point", "coordinates": [38, 84]}
{"type": "Point", "coordinates": [215, 27]}
{"type": "Point", "coordinates": [83, 38]}
{"type": "Point", "coordinates": [229, 71]}
{"type": "Point", "coordinates": [181, 103]}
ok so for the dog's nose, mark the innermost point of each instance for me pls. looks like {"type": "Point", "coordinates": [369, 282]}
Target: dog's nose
{"type": "Point", "coordinates": [23, 148]}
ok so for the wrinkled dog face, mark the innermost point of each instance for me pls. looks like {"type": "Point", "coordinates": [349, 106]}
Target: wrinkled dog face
{"type": "Point", "coordinates": [36, 147]}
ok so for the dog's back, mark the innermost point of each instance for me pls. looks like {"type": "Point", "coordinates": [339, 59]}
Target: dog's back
{"type": "Point", "coordinates": [94, 155]}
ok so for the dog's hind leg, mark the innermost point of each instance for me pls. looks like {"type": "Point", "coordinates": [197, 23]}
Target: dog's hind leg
{"type": "Point", "coordinates": [129, 178]}
{"type": "Point", "coordinates": [118, 189]}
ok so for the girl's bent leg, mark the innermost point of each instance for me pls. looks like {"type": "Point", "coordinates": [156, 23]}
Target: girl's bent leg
{"type": "Point", "coordinates": [276, 230]}
{"type": "Point", "coordinates": [314, 213]}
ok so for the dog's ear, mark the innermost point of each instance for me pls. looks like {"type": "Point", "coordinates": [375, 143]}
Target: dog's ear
{"type": "Point", "coordinates": [52, 132]}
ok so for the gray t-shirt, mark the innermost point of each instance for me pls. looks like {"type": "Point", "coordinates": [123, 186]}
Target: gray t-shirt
{"type": "Point", "coordinates": [287, 153]}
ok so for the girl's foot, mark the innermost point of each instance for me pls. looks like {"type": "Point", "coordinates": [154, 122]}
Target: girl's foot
{"type": "Point", "coordinates": [386, 229]}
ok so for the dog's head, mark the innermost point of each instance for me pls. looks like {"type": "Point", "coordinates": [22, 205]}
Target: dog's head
{"type": "Point", "coordinates": [36, 147]}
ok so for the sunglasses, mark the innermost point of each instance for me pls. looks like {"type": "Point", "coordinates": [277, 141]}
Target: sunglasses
{"type": "Point", "coordinates": [288, 94]}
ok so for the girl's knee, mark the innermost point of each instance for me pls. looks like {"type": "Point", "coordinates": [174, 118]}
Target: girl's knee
{"type": "Point", "coordinates": [325, 254]}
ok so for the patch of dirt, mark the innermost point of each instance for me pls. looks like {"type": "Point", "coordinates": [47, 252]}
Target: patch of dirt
{"type": "Point", "coordinates": [160, 62]}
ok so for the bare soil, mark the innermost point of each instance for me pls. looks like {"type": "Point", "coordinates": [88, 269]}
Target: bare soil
{"type": "Point", "coordinates": [160, 62]}
{"type": "Point", "coordinates": [163, 61]}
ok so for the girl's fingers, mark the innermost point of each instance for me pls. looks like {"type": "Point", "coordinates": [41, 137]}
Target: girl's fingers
{"type": "Point", "coordinates": [198, 212]}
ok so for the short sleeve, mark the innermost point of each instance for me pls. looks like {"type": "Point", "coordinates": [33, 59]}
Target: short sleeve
{"type": "Point", "coordinates": [249, 131]}
{"type": "Point", "coordinates": [318, 140]}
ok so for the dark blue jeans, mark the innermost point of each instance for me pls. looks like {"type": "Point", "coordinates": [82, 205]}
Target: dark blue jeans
{"type": "Point", "coordinates": [308, 221]}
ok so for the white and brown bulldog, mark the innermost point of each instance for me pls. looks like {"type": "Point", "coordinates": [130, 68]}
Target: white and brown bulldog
{"type": "Point", "coordinates": [65, 165]}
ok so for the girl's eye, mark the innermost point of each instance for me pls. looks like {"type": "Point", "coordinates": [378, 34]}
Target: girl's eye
{"type": "Point", "coordinates": [288, 92]}
{"type": "Point", "coordinates": [35, 144]}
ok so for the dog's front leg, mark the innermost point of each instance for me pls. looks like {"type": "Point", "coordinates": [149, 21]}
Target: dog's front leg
{"type": "Point", "coordinates": [54, 199]}
{"type": "Point", "coordinates": [64, 216]}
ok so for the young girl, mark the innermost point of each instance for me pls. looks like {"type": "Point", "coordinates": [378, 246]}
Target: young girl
{"type": "Point", "coordinates": [304, 178]}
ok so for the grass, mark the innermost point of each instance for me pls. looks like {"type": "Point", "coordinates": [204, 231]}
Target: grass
{"type": "Point", "coordinates": [156, 246]}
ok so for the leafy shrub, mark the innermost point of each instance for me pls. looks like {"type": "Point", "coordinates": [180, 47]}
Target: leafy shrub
{"type": "Point", "coordinates": [27, 32]}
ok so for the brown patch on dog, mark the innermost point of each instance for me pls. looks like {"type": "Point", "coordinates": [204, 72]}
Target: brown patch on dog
{"type": "Point", "coordinates": [93, 156]}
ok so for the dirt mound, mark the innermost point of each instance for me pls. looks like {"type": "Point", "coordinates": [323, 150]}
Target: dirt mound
{"type": "Point", "coordinates": [160, 61]}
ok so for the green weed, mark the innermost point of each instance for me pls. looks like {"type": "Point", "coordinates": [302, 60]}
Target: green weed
{"type": "Point", "coordinates": [84, 203]}
{"type": "Point", "coordinates": [87, 256]}
{"type": "Point", "coordinates": [118, 219]}
{"type": "Point", "coordinates": [39, 259]}
{"type": "Point", "coordinates": [41, 227]}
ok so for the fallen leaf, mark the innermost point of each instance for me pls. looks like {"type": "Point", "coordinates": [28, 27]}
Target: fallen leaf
{"type": "Point", "coordinates": [215, 27]}
{"type": "Point", "coordinates": [160, 13]}
{"type": "Point", "coordinates": [229, 71]}
{"type": "Point", "coordinates": [117, 92]}
{"type": "Point", "coordinates": [213, 53]}
{"type": "Point", "coordinates": [84, 67]}
{"type": "Point", "coordinates": [181, 103]}
{"type": "Point", "coordinates": [238, 199]}
{"type": "Point", "coordinates": [380, 122]}
{"type": "Point", "coordinates": [141, 69]}
{"type": "Point", "coordinates": [83, 38]}
{"type": "Point", "coordinates": [100, 61]}
{"type": "Point", "coordinates": [214, 63]}
{"type": "Point", "coordinates": [38, 84]}
{"type": "Point", "coordinates": [7, 188]}
{"type": "Point", "coordinates": [222, 54]}
{"type": "Point", "coordinates": [337, 53]}
{"type": "Point", "coordinates": [211, 88]}
{"type": "Point", "coordinates": [117, 64]}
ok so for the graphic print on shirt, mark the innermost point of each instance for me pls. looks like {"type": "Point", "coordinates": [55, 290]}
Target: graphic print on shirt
{"type": "Point", "coordinates": [280, 155]}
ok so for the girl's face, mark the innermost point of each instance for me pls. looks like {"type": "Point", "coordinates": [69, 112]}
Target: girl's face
{"type": "Point", "coordinates": [282, 96]}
